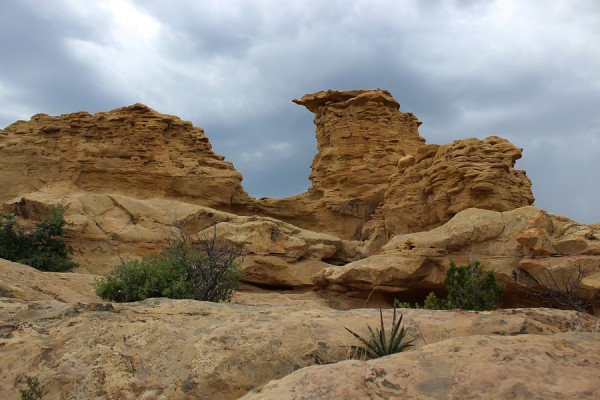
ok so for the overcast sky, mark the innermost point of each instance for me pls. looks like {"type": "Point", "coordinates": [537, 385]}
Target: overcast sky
{"type": "Point", "coordinates": [525, 70]}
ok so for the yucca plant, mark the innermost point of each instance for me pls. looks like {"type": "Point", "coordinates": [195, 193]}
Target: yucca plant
{"type": "Point", "coordinates": [381, 343]}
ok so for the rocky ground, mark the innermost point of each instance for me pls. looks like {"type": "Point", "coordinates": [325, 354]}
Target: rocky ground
{"type": "Point", "coordinates": [278, 346]}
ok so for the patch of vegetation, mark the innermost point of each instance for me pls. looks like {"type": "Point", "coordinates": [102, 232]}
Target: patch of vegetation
{"type": "Point", "coordinates": [564, 290]}
{"type": "Point", "coordinates": [381, 343]}
{"type": "Point", "coordinates": [38, 247]}
{"type": "Point", "coordinates": [34, 391]}
{"type": "Point", "coordinates": [206, 271]}
{"type": "Point", "coordinates": [469, 288]}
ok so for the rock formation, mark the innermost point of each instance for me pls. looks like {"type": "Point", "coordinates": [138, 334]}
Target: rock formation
{"type": "Point", "coordinates": [383, 216]}
{"type": "Point", "coordinates": [432, 186]}
{"type": "Point", "coordinates": [131, 150]}
{"type": "Point", "coordinates": [373, 176]}
{"type": "Point", "coordinates": [517, 245]}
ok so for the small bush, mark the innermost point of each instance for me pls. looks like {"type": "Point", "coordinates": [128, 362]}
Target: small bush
{"type": "Point", "coordinates": [34, 391]}
{"type": "Point", "coordinates": [381, 343]}
{"type": "Point", "coordinates": [469, 289]}
{"type": "Point", "coordinates": [207, 271]}
{"type": "Point", "coordinates": [152, 276]}
{"type": "Point", "coordinates": [39, 247]}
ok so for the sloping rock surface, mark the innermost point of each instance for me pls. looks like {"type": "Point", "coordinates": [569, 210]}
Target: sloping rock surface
{"type": "Point", "coordinates": [183, 349]}
{"type": "Point", "coordinates": [562, 366]}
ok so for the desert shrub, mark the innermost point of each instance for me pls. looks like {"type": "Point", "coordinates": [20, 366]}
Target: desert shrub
{"type": "Point", "coordinates": [565, 291]}
{"type": "Point", "coordinates": [381, 343]}
{"type": "Point", "coordinates": [34, 391]}
{"type": "Point", "coordinates": [38, 247]}
{"type": "Point", "coordinates": [470, 289]}
{"type": "Point", "coordinates": [152, 276]}
{"type": "Point", "coordinates": [206, 271]}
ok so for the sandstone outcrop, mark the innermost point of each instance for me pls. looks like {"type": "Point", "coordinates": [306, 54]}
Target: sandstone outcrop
{"type": "Point", "coordinates": [183, 349]}
{"type": "Point", "coordinates": [562, 366]}
{"type": "Point", "coordinates": [432, 186]}
{"type": "Point", "coordinates": [132, 150]}
{"type": "Point", "coordinates": [373, 175]}
{"type": "Point", "coordinates": [106, 229]}
{"type": "Point", "coordinates": [516, 244]}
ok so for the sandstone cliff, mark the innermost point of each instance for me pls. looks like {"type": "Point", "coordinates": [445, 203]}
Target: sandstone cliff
{"type": "Point", "coordinates": [131, 150]}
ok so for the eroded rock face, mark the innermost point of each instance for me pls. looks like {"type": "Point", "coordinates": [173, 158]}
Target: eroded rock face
{"type": "Point", "coordinates": [106, 229]}
{"type": "Point", "coordinates": [131, 150]}
{"type": "Point", "coordinates": [516, 244]}
{"type": "Point", "coordinates": [432, 186]}
{"type": "Point", "coordinates": [361, 136]}
{"type": "Point", "coordinates": [373, 175]}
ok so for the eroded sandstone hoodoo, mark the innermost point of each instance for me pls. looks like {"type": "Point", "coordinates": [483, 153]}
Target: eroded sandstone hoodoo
{"type": "Point", "coordinates": [361, 137]}
{"type": "Point", "coordinates": [131, 150]}
{"type": "Point", "coordinates": [373, 175]}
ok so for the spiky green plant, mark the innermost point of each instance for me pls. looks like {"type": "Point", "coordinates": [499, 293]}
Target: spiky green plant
{"type": "Point", "coordinates": [381, 343]}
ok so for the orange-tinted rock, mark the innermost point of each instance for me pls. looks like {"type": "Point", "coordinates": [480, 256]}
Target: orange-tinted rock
{"type": "Point", "coordinates": [361, 137]}
{"type": "Point", "coordinates": [518, 245]}
{"type": "Point", "coordinates": [131, 150]}
{"type": "Point", "coordinates": [439, 181]}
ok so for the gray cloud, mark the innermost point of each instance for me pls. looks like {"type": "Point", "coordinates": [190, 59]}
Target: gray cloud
{"type": "Point", "coordinates": [527, 71]}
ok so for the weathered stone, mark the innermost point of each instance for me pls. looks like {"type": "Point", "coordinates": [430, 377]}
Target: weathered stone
{"type": "Point", "coordinates": [562, 366]}
{"type": "Point", "coordinates": [440, 181]}
{"type": "Point", "coordinates": [183, 349]}
{"type": "Point", "coordinates": [517, 245]}
{"type": "Point", "coordinates": [133, 150]}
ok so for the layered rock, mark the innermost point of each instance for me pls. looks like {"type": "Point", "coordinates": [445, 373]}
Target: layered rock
{"type": "Point", "coordinates": [132, 150]}
{"type": "Point", "coordinates": [518, 245]}
{"type": "Point", "coordinates": [183, 349]}
{"type": "Point", "coordinates": [373, 176]}
{"type": "Point", "coordinates": [432, 186]}
{"type": "Point", "coordinates": [106, 229]}
{"type": "Point", "coordinates": [361, 136]}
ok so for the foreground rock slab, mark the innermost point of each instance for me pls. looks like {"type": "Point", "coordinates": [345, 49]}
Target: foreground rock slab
{"type": "Point", "coordinates": [561, 366]}
{"type": "Point", "coordinates": [184, 349]}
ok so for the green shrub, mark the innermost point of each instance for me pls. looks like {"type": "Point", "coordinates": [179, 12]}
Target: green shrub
{"type": "Point", "coordinates": [432, 302]}
{"type": "Point", "coordinates": [381, 343]}
{"type": "Point", "coordinates": [39, 247]}
{"type": "Point", "coordinates": [34, 391]}
{"type": "Point", "coordinates": [470, 289]}
{"type": "Point", "coordinates": [208, 272]}
{"type": "Point", "coordinates": [152, 276]}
